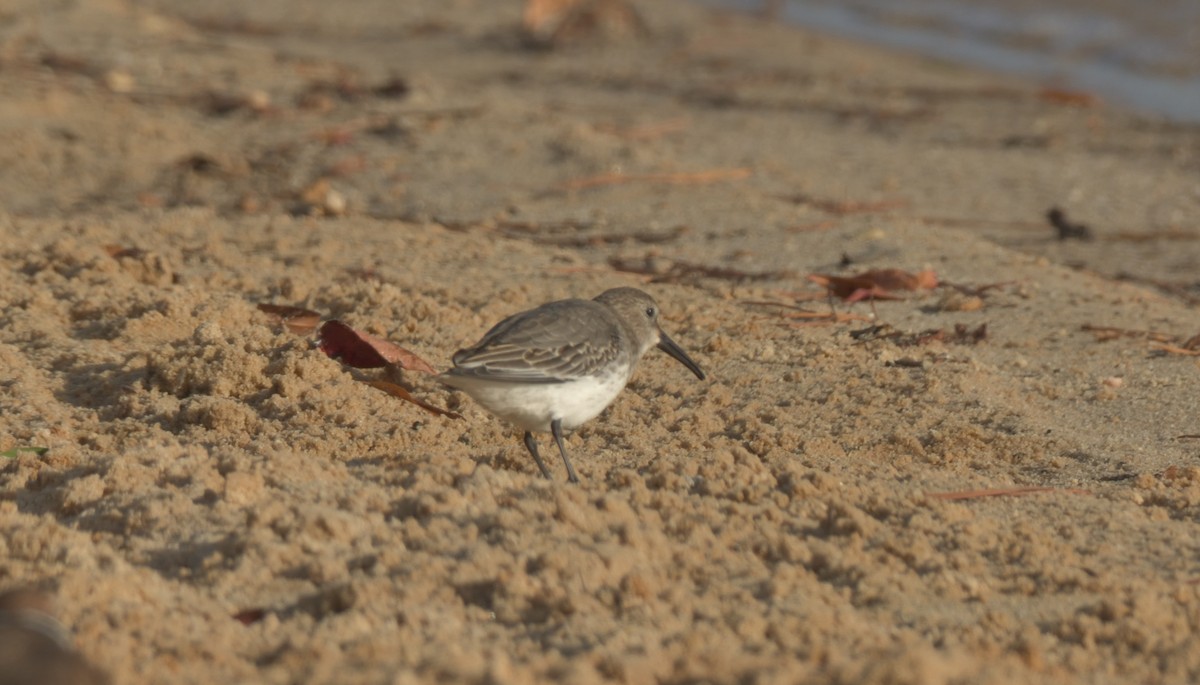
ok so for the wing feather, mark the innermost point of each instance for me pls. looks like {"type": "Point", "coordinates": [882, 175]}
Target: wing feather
{"type": "Point", "coordinates": [555, 343]}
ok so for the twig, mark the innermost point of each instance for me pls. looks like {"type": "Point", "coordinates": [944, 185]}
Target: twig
{"type": "Point", "coordinates": [1104, 333]}
{"type": "Point", "coordinates": [677, 178]}
{"type": "Point", "coordinates": [1174, 349]}
{"type": "Point", "coordinates": [1001, 492]}
{"type": "Point", "coordinates": [844, 207]}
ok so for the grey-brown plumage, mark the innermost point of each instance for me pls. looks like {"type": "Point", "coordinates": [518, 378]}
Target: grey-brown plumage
{"type": "Point", "coordinates": [559, 365]}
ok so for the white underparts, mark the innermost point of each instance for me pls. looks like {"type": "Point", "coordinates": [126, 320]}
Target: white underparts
{"type": "Point", "coordinates": [532, 406]}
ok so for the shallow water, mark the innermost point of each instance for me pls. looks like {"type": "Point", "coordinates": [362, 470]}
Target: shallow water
{"type": "Point", "coordinates": [1145, 56]}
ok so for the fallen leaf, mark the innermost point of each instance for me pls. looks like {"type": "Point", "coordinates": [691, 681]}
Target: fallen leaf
{"type": "Point", "coordinates": [249, 616]}
{"type": "Point", "coordinates": [399, 392]}
{"type": "Point", "coordinates": [876, 284]}
{"type": "Point", "coordinates": [297, 319]}
{"type": "Point", "coordinates": [118, 251]}
{"type": "Point", "coordinates": [363, 351]}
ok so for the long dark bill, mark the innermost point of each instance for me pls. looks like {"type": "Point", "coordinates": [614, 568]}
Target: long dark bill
{"type": "Point", "coordinates": [667, 345]}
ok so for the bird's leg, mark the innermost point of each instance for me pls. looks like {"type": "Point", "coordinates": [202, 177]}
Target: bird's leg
{"type": "Point", "coordinates": [532, 447]}
{"type": "Point", "coordinates": [556, 429]}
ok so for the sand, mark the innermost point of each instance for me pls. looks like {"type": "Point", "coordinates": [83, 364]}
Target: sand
{"type": "Point", "coordinates": [221, 502]}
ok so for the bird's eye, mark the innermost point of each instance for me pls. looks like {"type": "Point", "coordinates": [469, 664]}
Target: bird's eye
{"type": "Point", "coordinates": [650, 312]}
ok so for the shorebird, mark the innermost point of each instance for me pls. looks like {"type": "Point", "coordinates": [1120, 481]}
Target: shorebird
{"type": "Point", "coordinates": [553, 368]}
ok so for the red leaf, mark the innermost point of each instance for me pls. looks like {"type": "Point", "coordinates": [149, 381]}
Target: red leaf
{"type": "Point", "coordinates": [363, 351]}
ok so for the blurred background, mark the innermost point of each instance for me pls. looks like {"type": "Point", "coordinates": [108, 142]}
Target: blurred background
{"type": "Point", "coordinates": [1142, 55]}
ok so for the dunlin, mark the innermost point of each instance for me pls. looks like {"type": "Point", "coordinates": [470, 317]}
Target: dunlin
{"type": "Point", "coordinates": [553, 368]}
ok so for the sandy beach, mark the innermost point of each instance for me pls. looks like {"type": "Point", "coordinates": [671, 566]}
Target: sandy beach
{"type": "Point", "coordinates": [993, 480]}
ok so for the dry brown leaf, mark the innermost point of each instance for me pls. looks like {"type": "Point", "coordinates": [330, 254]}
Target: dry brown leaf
{"type": "Point", "coordinates": [399, 392]}
{"type": "Point", "coordinates": [250, 616]}
{"type": "Point", "coordinates": [876, 284]}
{"type": "Point", "coordinates": [297, 319]}
{"type": "Point", "coordinates": [363, 351]}
{"type": "Point", "coordinates": [118, 251]}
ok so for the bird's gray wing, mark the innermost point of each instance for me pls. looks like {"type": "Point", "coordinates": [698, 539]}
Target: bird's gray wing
{"type": "Point", "coordinates": [555, 343]}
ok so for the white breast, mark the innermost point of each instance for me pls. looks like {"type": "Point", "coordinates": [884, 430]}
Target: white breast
{"type": "Point", "coordinates": [532, 406]}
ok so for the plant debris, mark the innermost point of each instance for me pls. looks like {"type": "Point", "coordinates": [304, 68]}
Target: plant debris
{"type": "Point", "coordinates": [675, 178]}
{"type": "Point", "coordinates": [250, 616]}
{"type": "Point", "coordinates": [674, 271]}
{"type": "Point", "coordinates": [363, 351]}
{"type": "Point", "coordinates": [876, 284]}
{"type": "Point", "coordinates": [397, 391]}
{"type": "Point", "coordinates": [1069, 98]}
{"type": "Point", "coordinates": [1068, 230]}
{"type": "Point", "coordinates": [1106, 333]}
{"type": "Point", "coordinates": [844, 207]}
{"type": "Point", "coordinates": [1002, 492]}
{"type": "Point", "coordinates": [119, 251]}
{"type": "Point", "coordinates": [297, 319]}
{"type": "Point", "coordinates": [525, 230]}
{"type": "Point", "coordinates": [807, 317]}
{"type": "Point", "coordinates": [1174, 349]}
{"type": "Point", "coordinates": [961, 335]}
